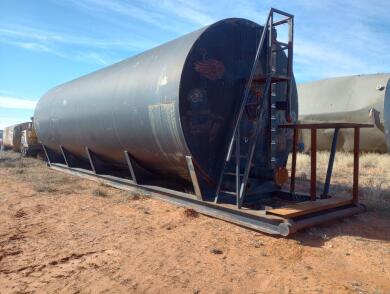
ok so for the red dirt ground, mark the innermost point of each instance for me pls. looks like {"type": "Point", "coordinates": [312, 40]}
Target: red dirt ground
{"type": "Point", "coordinates": [63, 234]}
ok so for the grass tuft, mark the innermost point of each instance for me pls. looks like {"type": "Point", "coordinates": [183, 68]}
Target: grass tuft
{"type": "Point", "coordinates": [99, 192]}
{"type": "Point", "coordinates": [45, 188]}
{"type": "Point", "coordinates": [191, 213]}
{"type": "Point", "coordinates": [216, 251]}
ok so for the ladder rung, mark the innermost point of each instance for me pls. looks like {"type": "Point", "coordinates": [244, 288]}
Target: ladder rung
{"type": "Point", "coordinates": [280, 22]}
{"type": "Point", "coordinates": [280, 49]}
{"type": "Point", "coordinates": [233, 174]}
{"type": "Point", "coordinates": [281, 43]}
{"type": "Point", "coordinates": [241, 156]}
{"type": "Point", "coordinates": [279, 78]}
{"type": "Point", "coordinates": [260, 79]}
{"type": "Point", "coordinates": [288, 15]}
{"type": "Point", "coordinates": [274, 78]}
{"type": "Point", "coordinates": [229, 192]}
{"type": "Point", "coordinates": [281, 105]}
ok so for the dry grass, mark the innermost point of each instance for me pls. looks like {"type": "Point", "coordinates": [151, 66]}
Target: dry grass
{"type": "Point", "coordinates": [99, 192]}
{"type": "Point", "coordinates": [43, 180]}
{"type": "Point", "coordinates": [135, 195]}
{"type": "Point", "coordinates": [44, 188]}
{"type": "Point", "coordinates": [374, 178]}
{"type": "Point", "coordinates": [374, 181]}
{"type": "Point", "coordinates": [191, 213]}
{"type": "Point", "coordinates": [10, 160]}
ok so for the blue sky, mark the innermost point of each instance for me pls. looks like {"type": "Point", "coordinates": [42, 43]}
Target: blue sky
{"type": "Point", "coordinates": [46, 43]}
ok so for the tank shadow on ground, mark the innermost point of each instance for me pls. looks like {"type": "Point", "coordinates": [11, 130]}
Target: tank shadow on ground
{"type": "Point", "coordinates": [357, 226]}
{"type": "Point", "coordinates": [370, 226]}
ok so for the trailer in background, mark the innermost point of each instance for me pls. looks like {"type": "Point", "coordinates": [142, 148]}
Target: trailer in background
{"type": "Point", "coordinates": [30, 145]}
{"type": "Point", "coordinates": [22, 138]}
{"type": "Point", "coordinates": [12, 136]}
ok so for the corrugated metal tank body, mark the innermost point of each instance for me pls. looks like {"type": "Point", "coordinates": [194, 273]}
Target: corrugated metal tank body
{"type": "Point", "coordinates": [174, 100]}
{"type": "Point", "coordinates": [358, 99]}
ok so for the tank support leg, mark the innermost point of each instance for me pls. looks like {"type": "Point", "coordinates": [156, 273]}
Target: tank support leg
{"type": "Point", "coordinates": [46, 154]}
{"type": "Point", "coordinates": [71, 160]}
{"type": "Point", "coordinates": [91, 161]}
{"type": "Point", "coordinates": [194, 178]}
{"type": "Point", "coordinates": [130, 164]}
{"type": "Point", "coordinates": [64, 156]}
{"type": "Point", "coordinates": [51, 156]}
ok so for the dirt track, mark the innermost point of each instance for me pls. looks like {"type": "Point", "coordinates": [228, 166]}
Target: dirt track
{"type": "Point", "coordinates": [62, 234]}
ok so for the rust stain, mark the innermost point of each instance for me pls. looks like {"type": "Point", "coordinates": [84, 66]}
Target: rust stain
{"type": "Point", "coordinates": [210, 68]}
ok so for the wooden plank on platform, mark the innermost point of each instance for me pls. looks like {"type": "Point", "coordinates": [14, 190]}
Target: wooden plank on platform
{"type": "Point", "coordinates": [307, 207]}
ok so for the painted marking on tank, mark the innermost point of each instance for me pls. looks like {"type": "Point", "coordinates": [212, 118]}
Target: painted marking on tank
{"type": "Point", "coordinates": [197, 95]}
{"type": "Point", "coordinates": [212, 69]}
{"type": "Point", "coordinates": [163, 80]}
{"type": "Point", "coordinates": [161, 83]}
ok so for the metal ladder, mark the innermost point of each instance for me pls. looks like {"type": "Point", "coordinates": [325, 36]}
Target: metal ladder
{"type": "Point", "coordinates": [268, 39]}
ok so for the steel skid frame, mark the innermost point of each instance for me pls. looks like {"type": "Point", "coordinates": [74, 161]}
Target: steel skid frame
{"type": "Point", "coordinates": [259, 220]}
{"type": "Point", "coordinates": [267, 220]}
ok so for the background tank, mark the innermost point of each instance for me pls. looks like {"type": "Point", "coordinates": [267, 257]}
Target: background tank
{"type": "Point", "coordinates": [29, 145]}
{"type": "Point", "coordinates": [360, 99]}
{"type": "Point", "coordinates": [174, 100]}
{"type": "Point", "coordinates": [12, 136]}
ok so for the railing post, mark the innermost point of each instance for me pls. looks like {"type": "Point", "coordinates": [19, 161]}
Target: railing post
{"type": "Point", "coordinates": [238, 168]}
{"type": "Point", "coordinates": [313, 162]}
{"type": "Point", "coordinates": [356, 150]}
{"type": "Point", "coordinates": [294, 161]}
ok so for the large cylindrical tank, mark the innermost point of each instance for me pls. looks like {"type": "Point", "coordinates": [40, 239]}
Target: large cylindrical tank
{"type": "Point", "coordinates": [359, 99]}
{"type": "Point", "coordinates": [175, 100]}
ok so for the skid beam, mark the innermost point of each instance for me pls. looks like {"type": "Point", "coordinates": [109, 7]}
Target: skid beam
{"type": "Point", "coordinates": [255, 220]}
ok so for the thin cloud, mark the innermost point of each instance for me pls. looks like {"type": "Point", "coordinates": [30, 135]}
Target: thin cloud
{"type": "Point", "coordinates": [44, 37]}
{"type": "Point", "coordinates": [93, 57]}
{"type": "Point", "coordinates": [34, 47]}
{"type": "Point", "coordinates": [186, 10]}
{"type": "Point", "coordinates": [16, 103]}
{"type": "Point", "coordinates": [331, 38]}
{"type": "Point", "coordinates": [83, 56]}
{"type": "Point", "coordinates": [127, 12]}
